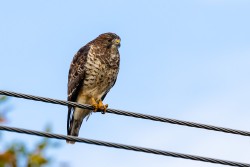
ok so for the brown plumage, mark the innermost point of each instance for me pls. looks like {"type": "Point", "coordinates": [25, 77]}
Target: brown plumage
{"type": "Point", "coordinates": [92, 74]}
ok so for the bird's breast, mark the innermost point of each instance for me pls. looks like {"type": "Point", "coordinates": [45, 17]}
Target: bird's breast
{"type": "Point", "coordinates": [99, 76]}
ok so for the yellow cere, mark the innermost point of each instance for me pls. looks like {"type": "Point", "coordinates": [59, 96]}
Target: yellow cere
{"type": "Point", "coordinates": [117, 41]}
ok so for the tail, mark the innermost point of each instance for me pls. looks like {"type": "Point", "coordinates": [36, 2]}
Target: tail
{"type": "Point", "coordinates": [75, 121]}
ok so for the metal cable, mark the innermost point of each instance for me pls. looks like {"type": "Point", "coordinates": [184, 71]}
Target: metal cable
{"type": "Point", "coordinates": [123, 146]}
{"type": "Point", "coordinates": [130, 114]}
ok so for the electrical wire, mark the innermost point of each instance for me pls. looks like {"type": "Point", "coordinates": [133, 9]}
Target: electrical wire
{"type": "Point", "coordinates": [130, 114]}
{"type": "Point", "coordinates": [123, 146]}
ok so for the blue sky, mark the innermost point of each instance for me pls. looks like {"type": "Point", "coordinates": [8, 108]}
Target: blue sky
{"type": "Point", "coordinates": [180, 59]}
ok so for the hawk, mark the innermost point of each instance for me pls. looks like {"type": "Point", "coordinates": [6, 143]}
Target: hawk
{"type": "Point", "coordinates": [93, 72]}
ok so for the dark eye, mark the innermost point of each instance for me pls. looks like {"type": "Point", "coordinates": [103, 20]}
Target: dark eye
{"type": "Point", "coordinates": [110, 40]}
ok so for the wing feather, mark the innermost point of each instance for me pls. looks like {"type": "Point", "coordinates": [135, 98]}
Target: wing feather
{"type": "Point", "coordinates": [76, 77]}
{"type": "Point", "coordinates": [107, 91]}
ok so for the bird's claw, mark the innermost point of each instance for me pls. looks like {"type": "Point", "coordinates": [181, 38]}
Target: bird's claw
{"type": "Point", "coordinates": [99, 106]}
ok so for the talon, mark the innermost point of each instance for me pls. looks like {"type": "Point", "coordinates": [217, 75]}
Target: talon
{"type": "Point", "coordinates": [102, 107]}
{"type": "Point", "coordinates": [105, 109]}
{"type": "Point", "coordinates": [99, 106]}
{"type": "Point", "coordinates": [94, 104]}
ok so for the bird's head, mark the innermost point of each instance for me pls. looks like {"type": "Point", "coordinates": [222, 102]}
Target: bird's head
{"type": "Point", "coordinates": [110, 39]}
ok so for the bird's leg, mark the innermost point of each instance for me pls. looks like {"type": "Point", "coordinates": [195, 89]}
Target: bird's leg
{"type": "Point", "coordinates": [94, 104]}
{"type": "Point", "coordinates": [102, 107]}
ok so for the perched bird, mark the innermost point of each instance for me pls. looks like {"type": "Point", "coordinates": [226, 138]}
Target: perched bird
{"type": "Point", "coordinates": [92, 74]}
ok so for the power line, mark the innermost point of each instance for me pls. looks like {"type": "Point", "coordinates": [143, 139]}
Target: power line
{"type": "Point", "coordinates": [123, 146]}
{"type": "Point", "coordinates": [130, 114]}
{"type": "Point", "coordinates": [125, 113]}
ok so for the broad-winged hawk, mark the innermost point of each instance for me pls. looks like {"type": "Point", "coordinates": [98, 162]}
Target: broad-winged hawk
{"type": "Point", "coordinates": [92, 74]}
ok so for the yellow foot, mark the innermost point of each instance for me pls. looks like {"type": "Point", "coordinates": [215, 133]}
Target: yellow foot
{"type": "Point", "coordinates": [94, 104]}
{"type": "Point", "coordinates": [102, 107]}
{"type": "Point", "coordinates": [99, 106]}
